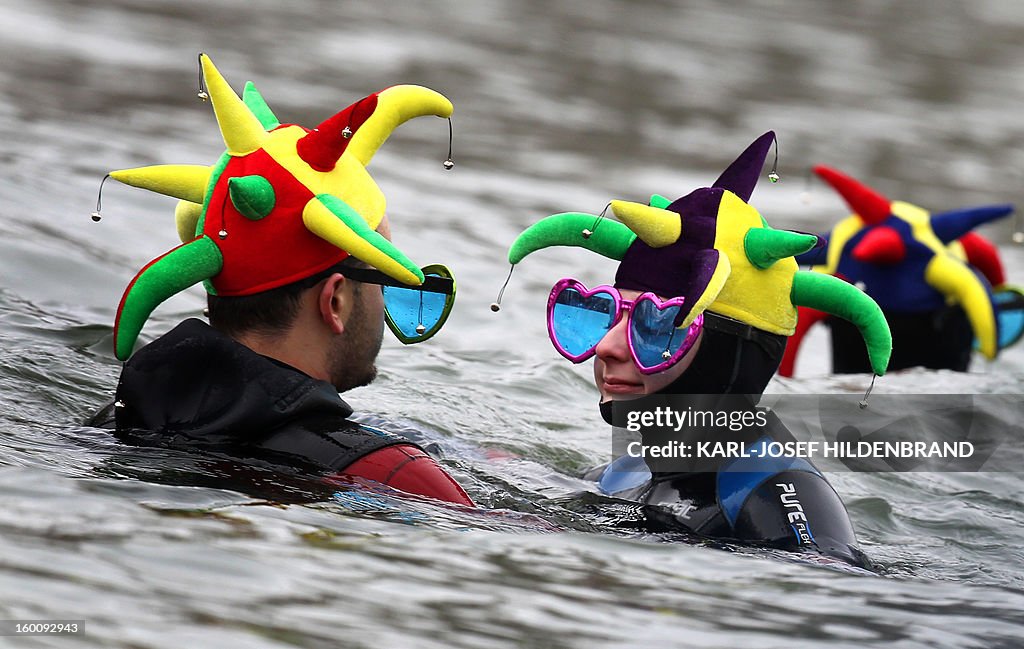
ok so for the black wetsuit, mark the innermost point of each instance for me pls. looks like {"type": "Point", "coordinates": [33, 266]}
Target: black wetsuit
{"type": "Point", "coordinates": [778, 502]}
{"type": "Point", "coordinates": [939, 340]}
{"type": "Point", "coordinates": [197, 389]}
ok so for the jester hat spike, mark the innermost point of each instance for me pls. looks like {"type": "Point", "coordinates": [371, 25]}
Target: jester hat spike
{"type": "Point", "coordinates": [715, 250]}
{"type": "Point", "coordinates": [282, 203]}
{"type": "Point", "coordinates": [908, 260]}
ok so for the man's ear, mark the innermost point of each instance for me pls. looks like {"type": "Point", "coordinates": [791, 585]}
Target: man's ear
{"type": "Point", "coordinates": [333, 302]}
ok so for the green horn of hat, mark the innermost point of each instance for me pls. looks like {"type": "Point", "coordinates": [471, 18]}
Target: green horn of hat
{"type": "Point", "coordinates": [765, 246]}
{"type": "Point", "coordinates": [833, 295]}
{"type": "Point", "coordinates": [161, 278]}
{"type": "Point", "coordinates": [608, 238]}
{"type": "Point", "coordinates": [252, 98]}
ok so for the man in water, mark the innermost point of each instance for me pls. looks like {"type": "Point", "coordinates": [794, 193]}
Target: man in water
{"type": "Point", "coordinates": [289, 234]}
{"type": "Point", "coordinates": [704, 298]}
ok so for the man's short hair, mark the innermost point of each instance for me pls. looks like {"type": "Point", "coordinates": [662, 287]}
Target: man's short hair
{"type": "Point", "coordinates": [270, 312]}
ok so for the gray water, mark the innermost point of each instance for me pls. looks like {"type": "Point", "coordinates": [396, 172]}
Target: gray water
{"type": "Point", "coordinates": [559, 106]}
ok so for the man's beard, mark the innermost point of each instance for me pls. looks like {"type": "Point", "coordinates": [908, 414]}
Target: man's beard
{"type": "Point", "coordinates": [351, 362]}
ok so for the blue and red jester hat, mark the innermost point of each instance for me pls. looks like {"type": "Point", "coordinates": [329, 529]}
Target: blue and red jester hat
{"type": "Point", "coordinates": [281, 204]}
{"type": "Point", "coordinates": [909, 261]}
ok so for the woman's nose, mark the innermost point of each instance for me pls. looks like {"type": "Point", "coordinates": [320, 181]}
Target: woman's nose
{"type": "Point", "coordinates": [614, 345]}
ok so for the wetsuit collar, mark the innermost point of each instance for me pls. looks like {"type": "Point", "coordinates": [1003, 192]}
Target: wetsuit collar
{"type": "Point", "coordinates": [197, 382]}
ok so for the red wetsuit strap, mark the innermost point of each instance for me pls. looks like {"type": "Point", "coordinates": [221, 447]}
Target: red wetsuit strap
{"type": "Point", "coordinates": [408, 468]}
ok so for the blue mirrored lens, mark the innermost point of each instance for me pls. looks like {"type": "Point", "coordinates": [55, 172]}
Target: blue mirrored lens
{"type": "Point", "coordinates": [654, 333]}
{"type": "Point", "coordinates": [578, 323]}
{"type": "Point", "coordinates": [411, 309]}
{"type": "Point", "coordinates": [1011, 317]}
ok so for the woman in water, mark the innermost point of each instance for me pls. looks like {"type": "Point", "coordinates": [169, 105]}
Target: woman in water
{"type": "Point", "coordinates": [704, 299]}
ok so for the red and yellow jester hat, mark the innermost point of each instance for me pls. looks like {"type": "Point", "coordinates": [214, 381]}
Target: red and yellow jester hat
{"type": "Point", "coordinates": [282, 203]}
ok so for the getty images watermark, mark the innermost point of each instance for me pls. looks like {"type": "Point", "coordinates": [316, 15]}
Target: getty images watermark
{"type": "Point", "coordinates": [905, 432]}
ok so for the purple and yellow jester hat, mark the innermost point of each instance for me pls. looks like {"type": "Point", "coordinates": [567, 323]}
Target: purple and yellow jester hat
{"type": "Point", "coordinates": [281, 204]}
{"type": "Point", "coordinates": [714, 249]}
{"type": "Point", "coordinates": [909, 260]}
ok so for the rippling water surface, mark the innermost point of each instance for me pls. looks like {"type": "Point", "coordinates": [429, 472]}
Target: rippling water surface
{"type": "Point", "coordinates": [559, 106]}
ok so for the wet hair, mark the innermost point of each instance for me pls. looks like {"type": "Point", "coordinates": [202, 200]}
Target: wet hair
{"type": "Point", "coordinates": [270, 312]}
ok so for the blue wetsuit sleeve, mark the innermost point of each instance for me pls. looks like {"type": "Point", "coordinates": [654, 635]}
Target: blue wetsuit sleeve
{"type": "Point", "coordinates": [799, 510]}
